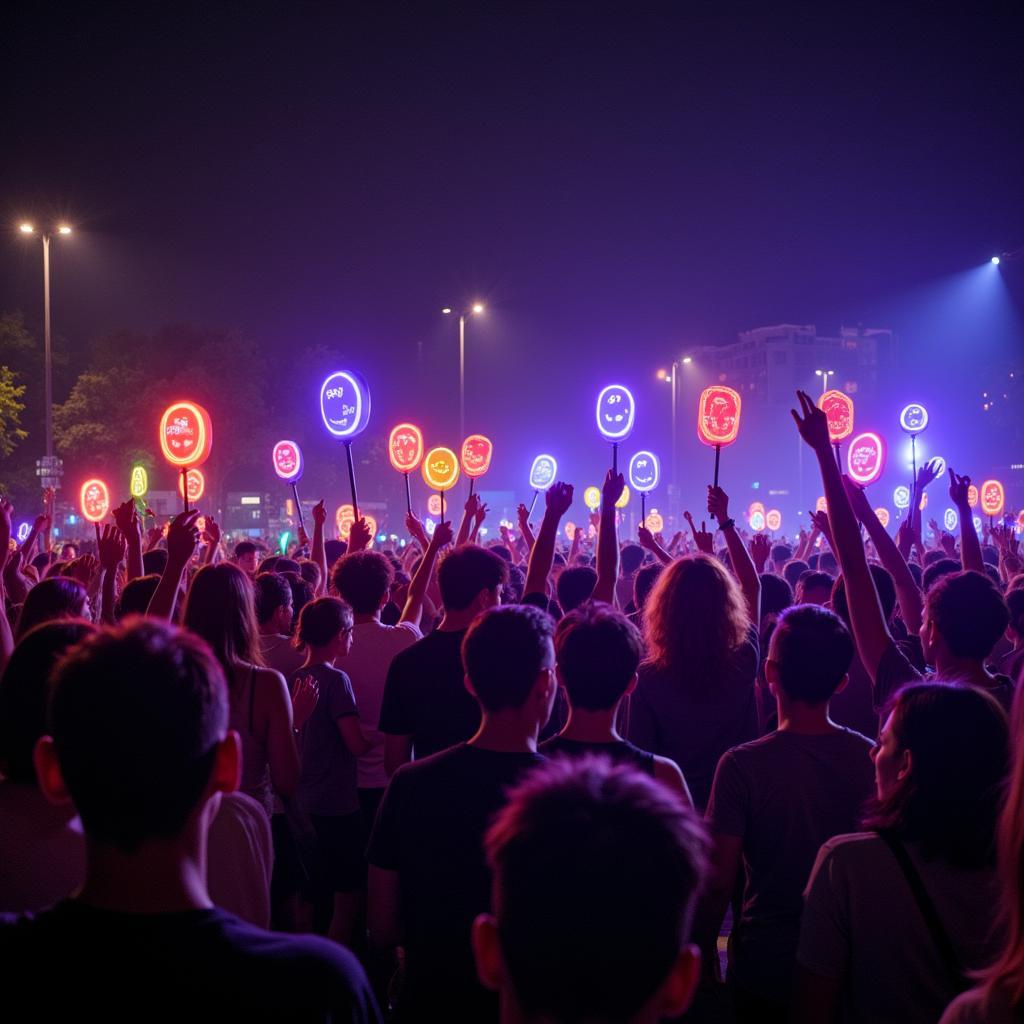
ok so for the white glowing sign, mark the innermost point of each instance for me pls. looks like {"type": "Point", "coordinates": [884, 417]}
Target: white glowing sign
{"type": "Point", "coordinates": [616, 412]}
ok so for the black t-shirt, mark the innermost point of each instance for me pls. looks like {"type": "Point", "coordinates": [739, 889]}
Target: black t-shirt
{"type": "Point", "coordinates": [195, 964]}
{"type": "Point", "coordinates": [430, 829]}
{"type": "Point", "coordinates": [425, 695]}
{"type": "Point", "coordinates": [619, 751]}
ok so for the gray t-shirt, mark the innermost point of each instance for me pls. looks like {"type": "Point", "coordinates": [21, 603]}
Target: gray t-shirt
{"type": "Point", "coordinates": [784, 795]}
{"type": "Point", "coordinates": [862, 926]}
{"type": "Point", "coordinates": [327, 784]}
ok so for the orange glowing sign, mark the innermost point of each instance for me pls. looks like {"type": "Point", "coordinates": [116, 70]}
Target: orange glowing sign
{"type": "Point", "coordinates": [655, 521]}
{"type": "Point", "coordinates": [773, 519]}
{"type": "Point", "coordinates": [434, 504]}
{"type": "Point", "coordinates": [95, 500]}
{"type": "Point", "coordinates": [882, 515]}
{"type": "Point", "coordinates": [440, 469]}
{"type": "Point", "coordinates": [838, 410]}
{"type": "Point", "coordinates": [754, 506]}
{"type": "Point", "coordinates": [186, 434]}
{"type": "Point", "coordinates": [972, 496]}
{"type": "Point", "coordinates": [993, 498]}
{"type": "Point", "coordinates": [718, 415]}
{"type": "Point", "coordinates": [405, 447]}
{"type": "Point", "coordinates": [477, 451]}
{"type": "Point", "coordinates": [196, 484]}
{"type": "Point", "coordinates": [345, 516]}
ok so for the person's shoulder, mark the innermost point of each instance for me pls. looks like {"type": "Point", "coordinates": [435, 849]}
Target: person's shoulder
{"type": "Point", "coordinates": [980, 1006]}
{"type": "Point", "coordinates": [424, 769]}
{"type": "Point", "coordinates": [852, 848]}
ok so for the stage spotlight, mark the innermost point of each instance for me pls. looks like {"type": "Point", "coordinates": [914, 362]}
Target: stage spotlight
{"type": "Point", "coordinates": [994, 261]}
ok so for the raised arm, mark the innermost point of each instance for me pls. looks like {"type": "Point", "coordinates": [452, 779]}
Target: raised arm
{"type": "Point", "coordinates": [468, 512]}
{"type": "Point", "coordinates": [649, 543]}
{"type": "Point", "coordinates": [211, 538]}
{"type": "Point", "coordinates": [523, 515]}
{"type": "Point", "coordinates": [869, 628]}
{"type": "Point", "coordinates": [478, 521]}
{"type": "Point", "coordinates": [182, 540]}
{"type": "Point", "coordinates": [413, 609]}
{"type": "Point", "coordinates": [126, 516]}
{"type": "Point", "coordinates": [970, 546]}
{"type": "Point", "coordinates": [557, 501]}
{"type": "Point", "coordinates": [112, 548]}
{"type": "Point", "coordinates": [760, 550]}
{"type": "Point", "coordinates": [318, 552]}
{"type": "Point", "coordinates": [608, 539]}
{"type": "Point", "coordinates": [742, 564]}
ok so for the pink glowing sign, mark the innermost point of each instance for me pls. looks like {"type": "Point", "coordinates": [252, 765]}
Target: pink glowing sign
{"type": "Point", "coordinates": [405, 447]}
{"type": "Point", "coordinates": [186, 434]}
{"type": "Point", "coordinates": [477, 451]}
{"type": "Point", "coordinates": [838, 410]}
{"type": "Point", "coordinates": [865, 458]}
{"type": "Point", "coordinates": [287, 458]}
{"type": "Point", "coordinates": [993, 498]}
{"type": "Point", "coordinates": [718, 415]}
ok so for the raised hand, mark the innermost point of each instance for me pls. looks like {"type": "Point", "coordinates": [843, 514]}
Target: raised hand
{"type": "Point", "coordinates": [934, 527]}
{"type": "Point", "coordinates": [927, 473]}
{"type": "Point", "coordinates": [480, 515]}
{"type": "Point", "coordinates": [472, 504]}
{"type": "Point", "coordinates": [948, 544]}
{"type": "Point", "coordinates": [112, 548]}
{"type": "Point", "coordinates": [304, 698]}
{"type": "Point", "coordinates": [319, 513]}
{"type": "Point", "coordinates": [415, 528]}
{"type": "Point", "coordinates": [705, 541]}
{"type": "Point", "coordinates": [443, 535]}
{"type": "Point", "coordinates": [211, 532]}
{"type": "Point", "coordinates": [359, 536]}
{"type": "Point", "coordinates": [718, 504]}
{"type": "Point", "coordinates": [523, 516]}
{"type": "Point", "coordinates": [611, 490]}
{"type": "Point", "coordinates": [958, 487]}
{"type": "Point", "coordinates": [183, 537]}
{"type": "Point", "coordinates": [153, 537]}
{"type": "Point", "coordinates": [813, 424]}
{"type": "Point", "coordinates": [558, 499]}
{"type": "Point", "coordinates": [646, 539]}
{"type": "Point", "coordinates": [760, 550]}
{"type": "Point", "coordinates": [126, 516]}
{"type": "Point", "coordinates": [821, 523]}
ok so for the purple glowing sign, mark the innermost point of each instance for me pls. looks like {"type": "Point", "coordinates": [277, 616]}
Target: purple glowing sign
{"type": "Point", "coordinates": [345, 404]}
{"type": "Point", "coordinates": [644, 472]}
{"type": "Point", "coordinates": [616, 412]}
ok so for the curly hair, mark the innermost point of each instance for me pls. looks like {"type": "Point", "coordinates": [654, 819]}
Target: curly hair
{"type": "Point", "coordinates": [695, 618]}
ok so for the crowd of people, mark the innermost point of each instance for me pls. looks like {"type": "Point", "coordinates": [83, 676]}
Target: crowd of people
{"type": "Point", "coordinates": [711, 776]}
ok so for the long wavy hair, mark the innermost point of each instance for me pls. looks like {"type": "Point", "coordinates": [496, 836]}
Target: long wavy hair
{"type": "Point", "coordinates": [57, 598]}
{"type": "Point", "coordinates": [695, 619]}
{"type": "Point", "coordinates": [221, 608]}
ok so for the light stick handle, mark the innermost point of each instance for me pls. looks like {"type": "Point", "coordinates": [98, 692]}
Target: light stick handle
{"type": "Point", "coordinates": [440, 494]}
{"type": "Point", "coordinates": [643, 508]}
{"type": "Point", "coordinates": [536, 495]}
{"type": "Point", "coordinates": [615, 457]}
{"type": "Point", "coordinates": [408, 494]}
{"type": "Point", "coordinates": [184, 486]}
{"type": "Point", "coordinates": [352, 479]}
{"type": "Point", "coordinates": [718, 458]}
{"type": "Point", "coordinates": [298, 507]}
{"type": "Point", "coordinates": [839, 460]}
{"type": "Point", "coordinates": [472, 480]}
{"type": "Point", "coordinates": [97, 525]}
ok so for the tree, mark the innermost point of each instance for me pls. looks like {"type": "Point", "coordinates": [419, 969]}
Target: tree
{"type": "Point", "coordinates": [11, 409]}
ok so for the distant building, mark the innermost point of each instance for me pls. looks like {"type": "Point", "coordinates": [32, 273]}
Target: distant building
{"type": "Point", "coordinates": [768, 364]}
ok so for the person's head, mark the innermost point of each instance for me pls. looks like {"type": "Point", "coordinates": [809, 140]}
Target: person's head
{"type": "Point", "coordinates": [933, 556]}
{"type": "Point", "coordinates": [220, 608]}
{"type": "Point", "coordinates": [302, 594]}
{"type": "Point", "coordinates": [631, 558]}
{"type": "Point", "coordinates": [814, 588]}
{"type": "Point", "coordinates": [470, 579]}
{"type": "Point", "coordinates": [643, 584]}
{"type": "Point", "coordinates": [940, 765]}
{"type": "Point", "coordinates": [1015, 608]}
{"type": "Point", "coordinates": [915, 571]}
{"type": "Point", "coordinates": [154, 562]}
{"type": "Point", "coordinates": [137, 594]}
{"type": "Point", "coordinates": [780, 555]}
{"type": "Point", "coordinates": [509, 660]}
{"type": "Point", "coordinates": [284, 565]}
{"type": "Point", "coordinates": [695, 618]}
{"type": "Point", "coordinates": [325, 624]}
{"type": "Point", "coordinates": [512, 589]}
{"type": "Point", "coordinates": [247, 557]}
{"type": "Point", "coordinates": [597, 652]}
{"type": "Point", "coordinates": [793, 570]}
{"type": "Point", "coordinates": [273, 603]}
{"type": "Point", "coordinates": [827, 563]}
{"type": "Point", "coordinates": [884, 587]}
{"type": "Point", "coordinates": [58, 597]}
{"type": "Point", "coordinates": [310, 572]}
{"type": "Point", "coordinates": [42, 562]}
{"type": "Point", "coordinates": [269, 564]}
{"type": "Point", "coordinates": [596, 872]}
{"type": "Point", "coordinates": [964, 616]}
{"type": "Point", "coordinates": [363, 579]}
{"type": "Point", "coordinates": [24, 692]}
{"type": "Point", "coordinates": [68, 551]}
{"type": "Point", "coordinates": [809, 656]}
{"type": "Point", "coordinates": [937, 570]}
{"type": "Point", "coordinates": [138, 735]}
{"type": "Point", "coordinates": [775, 594]}
{"type": "Point", "coordinates": [575, 586]}
{"type": "Point", "coordinates": [333, 550]}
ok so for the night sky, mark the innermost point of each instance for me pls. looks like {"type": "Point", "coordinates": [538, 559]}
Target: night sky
{"type": "Point", "coordinates": [615, 182]}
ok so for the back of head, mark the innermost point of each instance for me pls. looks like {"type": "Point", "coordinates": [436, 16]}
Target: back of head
{"type": "Point", "coordinates": [333, 550]}
{"type": "Point", "coordinates": [596, 872]}
{"type": "Point", "coordinates": [937, 570]}
{"type": "Point", "coordinates": [969, 612]}
{"type": "Point", "coordinates": [811, 651]}
{"type": "Point", "coordinates": [245, 547]}
{"type": "Point", "coordinates": [271, 591]}
{"type": "Point", "coordinates": [286, 565]}
{"type": "Point", "coordinates": [776, 594]}
{"type": "Point", "coordinates": [269, 564]}
{"type": "Point", "coordinates": [958, 739]}
{"type": "Point", "coordinates": [597, 650]}
{"type": "Point", "coordinates": [24, 692]}
{"type": "Point", "coordinates": [643, 584]}
{"type": "Point", "coordinates": [310, 572]}
{"type": "Point", "coordinates": [827, 563]}
{"type": "Point", "coordinates": [512, 591]}
{"type": "Point", "coordinates": [154, 562]}
{"type": "Point", "coordinates": [780, 555]}
{"type": "Point", "coordinates": [136, 715]}
{"type": "Point", "coordinates": [321, 620]}
{"type": "Point", "coordinates": [575, 586]}
{"type": "Point", "coordinates": [363, 579]}
{"type": "Point", "coordinates": [884, 587]}
{"type": "Point", "coordinates": [793, 570]}
{"type": "Point", "coordinates": [504, 652]}
{"type": "Point", "coordinates": [220, 608]}
{"type": "Point", "coordinates": [814, 587]}
{"type": "Point", "coordinates": [137, 594]}
{"type": "Point", "coordinates": [933, 556]}
{"type": "Point", "coordinates": [695, 618]}
{"type": "Point", "coordinates": [466, 571]}
{"type": "Point", "coordinates": [631, 558]}
{"type": "Point", "coordinates": [58, 597]}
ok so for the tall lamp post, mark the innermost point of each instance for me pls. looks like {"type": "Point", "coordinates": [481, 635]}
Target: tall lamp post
{"type": "Point", "coordinates": [824, 375]}
{"type": "Point", "coordinates": [671, 377]}
{"type": "Point", "coordinates": [50, 469]}
{"type": "Point", "coordinates": [475, 310]}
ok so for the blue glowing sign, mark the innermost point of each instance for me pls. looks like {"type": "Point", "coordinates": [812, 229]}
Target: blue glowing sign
{"type": "Point", "coordinates": [950, 519]}
{"type": "Point", "coordinates": [542, 472]}
{"type": "Point", "coordinates": [345, 404]}
{"type": "Point", "coordinates": [914, 418]}
{"type": "Point", "coordinates": [901, 497]}
{"type": "Point", "coordinates": [23, 532]}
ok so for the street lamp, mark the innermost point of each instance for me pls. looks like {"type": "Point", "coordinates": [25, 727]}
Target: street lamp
{"type": "Point", "coordinates": [50, 466]}
{"type": "Point", "coordinates": [824, 375]}
{"type": "Point", "coordinates": [672, 379]}
{"type": "Point", "coordinates": [474, 310]}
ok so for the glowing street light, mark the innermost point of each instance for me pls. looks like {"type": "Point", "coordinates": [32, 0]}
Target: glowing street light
{"type": "Point", "coordinates": [824, 375]}
{"type": "Point", "coordinates": [474, 310]}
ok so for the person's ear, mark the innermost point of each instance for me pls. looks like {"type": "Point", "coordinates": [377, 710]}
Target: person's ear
{"type": "Point", "coordinates": [676, 992]}
{"type": "Point", "coordinates": [490, 967]}
{"type": "Point", "coordinates": [48, 773]}
{"type": "Point", "coordinates": [843, 683]}
{"type": "Point", "coordinates": [771, 675]}
{"type": "Point", "coordinates": [632, 684]}
{"type": "Point", "coordinates": [226, 776]}
{"type": "Point", "coordinates": [906, 767]}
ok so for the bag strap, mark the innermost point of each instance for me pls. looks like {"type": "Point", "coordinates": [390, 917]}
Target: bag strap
{"type": "Point", "coordinates": [943, 943]}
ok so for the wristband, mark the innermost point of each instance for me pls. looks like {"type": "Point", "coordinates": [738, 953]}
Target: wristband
{"type": "Point", "coordinates": [727, 525]}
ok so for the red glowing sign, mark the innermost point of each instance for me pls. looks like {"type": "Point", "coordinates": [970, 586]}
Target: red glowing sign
{"type": "Point", "coordinates": [94, 500]}
{"type": "Point", "coordinates": [838, 410]}
{"type": "Point", "coordinates": [476, 455]}
{"type": "Point", "coordinates": [186, 434]}
{"type": "Point", "coordinates": [972, 496]}
{"type": "Point", "coordinates": [865, 458]}
{"type": "Point", "coordinates": [287, 458]}
{"type": "Point", "coordinates": [993, 498]}
{"type": "Point", "coordinates": [440, 469]}
{"type": "Point", "coordinates": [196, 484]}
{"type": "Point", "coordinates": [405, 447]}
{"type": "Point", "coordinates": [718, 415]}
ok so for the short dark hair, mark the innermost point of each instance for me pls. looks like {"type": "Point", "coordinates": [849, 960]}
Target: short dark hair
{"type": "Point", "coordinates": [812, 650]}
{"type": "Point", "coordinates": [934, 572]}
{"type": "Point", "coordinates": [309, 571]}
{"type": "Point", "coordinates": [813, 580]}
{"type": "Point", "coordinates": [969, 613]}
{"type": "Point", "coordinates": [598, 651]}
{"type": "Point", "coordinates": [302, 594]}
{"type": "Point", "coordinates": [321, 621]}
{"type": "Point", "coordinates": [575, 586]}
{"type": "Point", "coordinates": [959, 739]}
{"type": "Point", "coordinates": [504, 652]}
{"type": "Point", "coordinates": [643, 583]}
{"type": "Point", "coordinates": [272, 592]}
{"type": "Point", "coordinates": [775, 594]}
{"type": "Point", "coordinates": [498, 547]}
{"type": "Point", "coordinates": [596, 870]}
{"type": "Point", "coordinates": [827, 563]}
{"type": "Point", "coordinates": [933, 556]}
{"type": "Point", "coordinates": [284, 564]}
{"type": "Point", "coordinates": [136, 715]}
{"type": "Point", "coordinates": [137, 594]}
{"type": "Point", "coordinates": [363, 579]}
{"type": "Point", "coordinates": [333, 550]}
{"type": "Point", "coordinates": [154, 562]}
{"type": "Point", "coordinates": [24, 693]}
{"type": "Point", "coordinates": [269, 564]}
{"type": "Point", "coordinates": [781, 554]}
{"type": "Point", "coordinates": [245, 547]}
{"type": "Point", "coordinates": [631, 558]}
{"type": "Point", "coordinates": [793, 570]}
{"type": "Point", "coordinates": [466, 571]}
{"type": "Point", "coordinates": [884, 587]}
